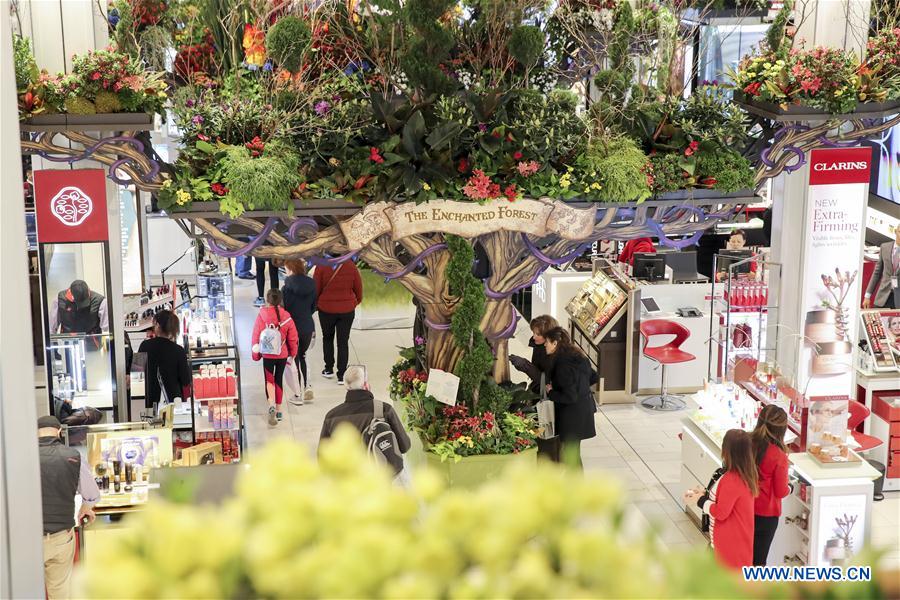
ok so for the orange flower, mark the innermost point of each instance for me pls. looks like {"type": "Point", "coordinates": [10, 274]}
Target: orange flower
{"type": "Point", "coordinates": [254, 44]}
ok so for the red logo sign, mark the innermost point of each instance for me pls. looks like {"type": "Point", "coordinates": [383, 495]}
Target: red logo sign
{"type": "Point", "coordinates": [840, 165]}
{"type": "Point", "coordinates": [71, 205]}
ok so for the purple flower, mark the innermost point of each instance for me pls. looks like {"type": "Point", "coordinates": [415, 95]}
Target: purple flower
{"type": "Point", "coordinates": [197, 119]}
{"type": "Point", "coordinates": [482, 127]}
{"type": "Point", "coordinates": [267, 66]}
{"type": "Point", "coordinates": [189, 103]}
{"type": "Point", "coordinates": [419, 340]}
{"type": "Point", "coordinates": [322, 107]}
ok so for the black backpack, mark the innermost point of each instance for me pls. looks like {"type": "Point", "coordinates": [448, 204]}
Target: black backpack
{"type": "Point", "coordinates": [381, 441]}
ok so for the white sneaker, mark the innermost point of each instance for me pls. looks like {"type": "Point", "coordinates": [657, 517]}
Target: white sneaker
{"type": "Point", "coordinates": [296, 400]}
{"type": "Point", "coordinates": [273, 418]}
{"type": "Point", "coordinates": [308, 394]}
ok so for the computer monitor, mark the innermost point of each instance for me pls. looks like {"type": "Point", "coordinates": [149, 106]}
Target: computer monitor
{"type": "Point", "coordinates": [683, 264]}
{"type": "Point", "coordinates": [649, 266]}
{"type": "Point", "coordinates": [729, 257]}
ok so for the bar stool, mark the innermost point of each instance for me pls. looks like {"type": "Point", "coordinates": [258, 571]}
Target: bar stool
{"type": "Point", "coordinates": [667, 354]}
{"type": "Point", "coordinates": [859, 412]}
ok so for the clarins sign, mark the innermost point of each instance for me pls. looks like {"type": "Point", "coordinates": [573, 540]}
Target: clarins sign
{"type": "Point", "coordinates": [840, 165]}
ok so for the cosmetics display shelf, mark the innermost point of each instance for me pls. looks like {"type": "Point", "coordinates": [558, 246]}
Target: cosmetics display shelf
{"type": "Point", "coordinates": [740, 312]}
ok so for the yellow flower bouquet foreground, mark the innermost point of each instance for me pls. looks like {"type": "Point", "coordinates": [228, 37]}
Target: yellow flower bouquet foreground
{"type": "Point", "coordinates": [340, 528]}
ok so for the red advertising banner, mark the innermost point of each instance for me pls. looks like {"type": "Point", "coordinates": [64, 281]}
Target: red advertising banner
{"type": "Point", "coordinates": [839, 165]}
{"type": "Point", "coordinates": [71, 205]}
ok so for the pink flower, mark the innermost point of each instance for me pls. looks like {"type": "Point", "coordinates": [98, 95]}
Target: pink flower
{"type": "Point", "coordinates": [517, 155]}
{"type": "Point", "coordinates": [95, 75]}
{"type": "Point", "coordinates": [811, 85]}
{"type": "Point", "coordinates": [375, 156]}
{"type": "Point", "coordinates": [479, 187]}
{"type": "Point", "coordinates": [528, 168]}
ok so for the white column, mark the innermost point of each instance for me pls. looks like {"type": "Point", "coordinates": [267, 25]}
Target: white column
{"type": "Point", "coordinates": [21, 561]}
{"type": "Point", "coordinates": [837, 24]}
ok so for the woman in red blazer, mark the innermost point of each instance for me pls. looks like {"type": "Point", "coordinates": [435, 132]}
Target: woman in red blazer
{"type": "Point", "coordinates": [643, 244]}
{"type": "Point", "coordinates": [729, 501]}
{"type": "Point", "coordinates": [772, 470]}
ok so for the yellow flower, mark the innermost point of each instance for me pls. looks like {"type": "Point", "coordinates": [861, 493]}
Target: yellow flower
{"type": "Point", "coordinates": [426, 187]}
{"type": "Point", "coordinates": [167, 184]}
{"type": "Point", "coordinates": [595, 186]}
{"type": "Point", "coordinates": [182, 197]}
{"type": "Point", "coordinates": [163, 95]}
{"type": "Point", "coordinates": [334, 162]}
{"type": "Point", "coordinates": [839, 92]}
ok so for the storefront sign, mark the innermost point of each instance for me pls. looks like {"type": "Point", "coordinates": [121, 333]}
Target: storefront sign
{"type": "Point", "coordinates": [832, 255]}
{"type": "Point", "coordinates": [71, 205]}
{"type": "Point", "coordinates": [468, 219]}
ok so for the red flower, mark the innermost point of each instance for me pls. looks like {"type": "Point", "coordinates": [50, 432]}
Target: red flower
{"type": "Point", "coordinates": [509, 137]}
{"type": "Point", "coordinates": [517, 155]}
{"type": "Point", "coordinates": [255, 146]}
{"type": "Point", "coordinates": [219, 189]}
{"type": "Point", "coordinates": [200, 136]}
{"type": "Point", "coordinates": [463, 166]}
{"type": "Point", "coordinates": [95, 75]}
{"type": "Point", "coordinates": [511, 195]}
{"type": "Point", "coordinates": [692, 147]}
{"type": "Point", "coordinates": [375, 155]}
{"type": "Point", "coordinates": [753, 88]}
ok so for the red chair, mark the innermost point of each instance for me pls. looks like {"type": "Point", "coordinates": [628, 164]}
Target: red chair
{"type": "Point", "coordinates": [859, 413]}
{"type": "Point", "coordinates": [667, 354]}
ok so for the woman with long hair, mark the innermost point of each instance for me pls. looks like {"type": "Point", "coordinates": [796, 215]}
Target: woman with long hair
{"type": "Point", "coordinates": [771, 459]}
{"type": "Point", "coordinates": [570, 391]}
{"type": "Point", "coordinates": [274, 324]}
{"type": "Point", "coordinates": [538, 370]}
{"type": "Point", "coordinates": [728, 500]}
{"type": "Point", "coordinates": [168, 373]}
{"type": "Point", "coordinates": [299, 292]}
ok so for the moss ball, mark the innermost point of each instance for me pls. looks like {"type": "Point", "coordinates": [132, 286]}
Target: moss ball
{"type": "Point", "coordinates": [107, 102]}
{"type": "Point", "coordinates": [80, 106]}
{"type": "Point", "coordinates": [526, 44]}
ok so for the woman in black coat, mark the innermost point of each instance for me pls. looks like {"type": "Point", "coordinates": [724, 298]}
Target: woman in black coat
{"type": "Point", "coordinates": [300, 301]}
{"type": "Point", "coordinates": [570, 391]}
{"type": "Point", "coordinates": [538, 369]}
{"type": "Point", "coordinates": [168, 372]}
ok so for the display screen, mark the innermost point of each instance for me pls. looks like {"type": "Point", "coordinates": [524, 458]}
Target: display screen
{"type": "Point", "coordinates": [886, 165]}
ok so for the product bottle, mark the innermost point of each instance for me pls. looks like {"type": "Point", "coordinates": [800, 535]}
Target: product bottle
{"type": "Point", "coordinates": [117, 484]}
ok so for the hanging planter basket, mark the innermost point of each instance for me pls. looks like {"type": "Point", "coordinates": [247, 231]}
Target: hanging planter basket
{"type": "Point", "coordinates": [96, 122]}
{"type": "Point", "coordinates": [797, 112]}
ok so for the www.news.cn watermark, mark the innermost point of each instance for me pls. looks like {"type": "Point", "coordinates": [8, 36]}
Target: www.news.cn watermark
{"type": "Point", "coordinates": [807, 573]}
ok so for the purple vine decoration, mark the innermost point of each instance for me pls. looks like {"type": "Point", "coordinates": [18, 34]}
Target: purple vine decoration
{"type": "Point", "coordinates": [437, 326]}
{"type": "Point", "coordinates": [510, 329]}
{"type": "Point", "coordinates": [90, 150]}
{"type": "Point", "coordinates": [413, 264]}
{"type": "Point", "coordinates": [253, 244]}
{"type": "Point", "coordinates": [298, 224]}
{"type": "Point", "coordinates": [579, 250]}
{"type": "Point", "coordinates": [331, 261]}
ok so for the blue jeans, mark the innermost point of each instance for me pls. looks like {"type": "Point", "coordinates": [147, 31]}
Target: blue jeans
{"type": "Point", "coordinates": [243, 265]}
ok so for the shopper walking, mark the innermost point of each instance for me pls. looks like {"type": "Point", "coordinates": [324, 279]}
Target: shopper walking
{"type": "Point", "coordinates": [261, 265]}
{"type": "Point", "coordinates": [771, 460]}
{"type": "Point", "coordinates": [728, 500]}
{"type": "Point", "coordinates": [242, 266]}
{"type": "Point", "coordinates": [538, 370]}
{"type": "Point", "coordinates": [63, 475]}
{"type": "Point", "coordinates": [168, 375]}
{"type": "Point", "coordinates": [275, 342]}
{"type": "Point", "coordinates": [299, 292]}
{"type": "Point", "coordinates": [358, 409]}
{"type": "Point", "coordinates": [570, 391]}
{"type": "Point", "coordinates": [339, 291]}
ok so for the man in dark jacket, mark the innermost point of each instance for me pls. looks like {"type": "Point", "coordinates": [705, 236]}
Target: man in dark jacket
{"type": "Point", "coordinates": [63, 475]}
{"type": "Point", "coordinates": [78, 309]}
{"type": "Point", "coordinates": [358, 409]}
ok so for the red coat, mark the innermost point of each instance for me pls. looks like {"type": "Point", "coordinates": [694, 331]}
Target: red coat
{"type": "Point", "coordinates": [342, 293]}
{"type": "Point", "coordinates": [731, 527]}
{"type": "Point", "coordinates": [773, 483]}
{"type": "Point", "coordinates": [289, 338]}
{"type": "Point", "coordinates": [644, 244]}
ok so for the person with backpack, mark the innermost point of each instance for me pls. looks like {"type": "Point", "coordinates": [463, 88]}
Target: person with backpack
{"type": "Point", "coordinates": [275, 341]}
{"type": "Point", "coordinates": [339, 291]}
{"type": "Point", "coordinates": [377, 422]}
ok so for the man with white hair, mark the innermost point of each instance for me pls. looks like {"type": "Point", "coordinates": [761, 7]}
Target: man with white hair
{"type": "Point", "coordinates": [376, 421]}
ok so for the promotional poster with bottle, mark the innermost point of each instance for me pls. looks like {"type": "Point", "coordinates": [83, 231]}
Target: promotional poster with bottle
{"type": "Point", "coordinates": [832, 255]}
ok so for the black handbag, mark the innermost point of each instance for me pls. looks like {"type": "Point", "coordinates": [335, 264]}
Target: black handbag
{"type": "Point", "coordinates": [704, 518]}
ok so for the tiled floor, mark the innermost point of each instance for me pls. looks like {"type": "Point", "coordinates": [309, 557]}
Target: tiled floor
{"type": "Point", "coordinates": [638, 448]}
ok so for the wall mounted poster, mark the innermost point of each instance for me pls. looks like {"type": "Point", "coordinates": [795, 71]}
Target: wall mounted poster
{"type": "Point", "coordinates": [832, 255]}
{"type": "Point", "coordinates": [842, 528]}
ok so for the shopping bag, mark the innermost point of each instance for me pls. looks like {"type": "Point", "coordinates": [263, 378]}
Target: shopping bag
{"type": "Point", "coordinates": [546, 413]}
{"type": "Point", "coordinates": [292, 379]}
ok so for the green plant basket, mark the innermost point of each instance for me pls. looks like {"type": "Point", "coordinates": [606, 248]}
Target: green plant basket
{"type": "Point", "coordinates": [472, 471]}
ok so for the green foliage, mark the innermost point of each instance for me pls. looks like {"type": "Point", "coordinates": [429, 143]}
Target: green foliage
{"type": "Point", "coordinates": [526, 44]}
{"type": "Point", "coordinates": [776, 40]}
{"type": "Point", "coordinates": [428, 47]}
{"type": "Point", "coordinates": [493, 398]}
{"type": "Point", "coordinates": [256, 183]}
{"type": "Point", "coordinates": [619, 164]}
{"type": "Point", "coordinates": [709, 114]}
{"type": "Point", "coordinates": [668, 176]}
{"type": "Point", "coordinates": [287, 41]}
{"type": "Point", "coordinates": [76, 105]}
{"type": "Point", "coordinates": [26, 69]}
{"type": "Point", "coordinates": [465, 325]}
{"type": "Point", "coordinates": [731, 171]}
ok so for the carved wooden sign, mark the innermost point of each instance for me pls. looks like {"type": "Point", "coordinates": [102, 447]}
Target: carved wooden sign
{"type": "Point", "coordinates": [538, 217]}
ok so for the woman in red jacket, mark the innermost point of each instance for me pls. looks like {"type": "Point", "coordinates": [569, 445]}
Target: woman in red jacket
{"type": "Point", "coordinates": [274, 323]}
{"type": "Point", "coordinates": [772, 468]}
{"type": "Point", "coordinates": [339, 291]}
{"type": "Point", "coordinates": [729, 501]}
{"type": "Point", "coordinates": [631, 247]}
